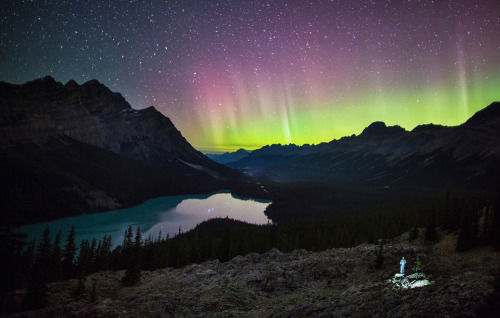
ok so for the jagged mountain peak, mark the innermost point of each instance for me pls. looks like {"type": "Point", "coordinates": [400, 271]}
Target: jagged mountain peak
{"type": "Point", "coordinates": [95, 84]}
{"type": "Point", "coordinates": [41, 86]}
{"type": "Point", "coordinates": [46, 81]}
{"type": "Point", "coordinates": [242, 150]}
{"type": "Point", "coordinates": [376, 125]}
{"type": "Point", "coordinates": [71, 85]}
{"type": "Point", "coordinates": [379, 129]}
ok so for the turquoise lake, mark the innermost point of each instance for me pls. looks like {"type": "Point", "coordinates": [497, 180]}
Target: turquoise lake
{"type": "Point", "coordinates": [165, 214]}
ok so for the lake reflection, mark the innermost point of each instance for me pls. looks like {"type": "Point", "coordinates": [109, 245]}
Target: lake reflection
{"type": "Point", "coordinates": [164, 214]}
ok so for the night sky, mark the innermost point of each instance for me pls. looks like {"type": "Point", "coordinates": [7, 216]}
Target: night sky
{"type": "Point", "coordinates": [234, 74]}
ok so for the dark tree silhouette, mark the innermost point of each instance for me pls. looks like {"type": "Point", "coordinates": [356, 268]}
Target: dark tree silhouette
{"type": "Point", "coordinates": [56, 257]}
{"type": "Point", "coordinates": [36, 293]}
{"type": "Point", "coordinates": [69, 253]}
{"type": "Point", "coordinates": [133, 270]}
{"type": "Point", "coordinates": [15, 262]}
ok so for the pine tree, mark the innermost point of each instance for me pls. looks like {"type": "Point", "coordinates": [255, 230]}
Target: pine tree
{"type": "Point", "coordinates": [133, 270]}
{"type": "Point", "coordinates": [56, 257]}
{"type": "Point", "coordinates": [127, 247]}
{"type": "Point", "coordinates": [36, 292]}
{"type": "Point", "coordinates": [98, 259]}
{"type": "Point", "coordinates": [90, 266]}
{"type": "Point", "coordinates": [69, 254]}
{"type": "Point", "coordinates": [138, 238]}
{"type": "Point", "coordinates": [418, 265]}
{"type": "Point", "coordinates": [86, 259]}
{"type": "Point", "coordinates": [29, 254]}
{"type": "Point", "coordinates": [42, 270]}
{"type": "Point", "coordinates": [82, 260]}
{"type": "Point", "coordinates": [14, 265]}
{"type": "Point", "coordinates": [103, 254]}
{"type": "Point", "coordinates": [106, 251]}
{"type": "Point", "coordinates": [159, 238]}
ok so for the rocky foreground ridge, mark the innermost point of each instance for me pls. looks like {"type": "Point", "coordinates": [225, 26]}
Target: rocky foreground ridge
{"type": "Point", "coordinates": [334, 283]}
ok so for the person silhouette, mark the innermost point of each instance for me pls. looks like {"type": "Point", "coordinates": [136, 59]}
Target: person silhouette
{"type": "Point", "coordinates": [402, 262]}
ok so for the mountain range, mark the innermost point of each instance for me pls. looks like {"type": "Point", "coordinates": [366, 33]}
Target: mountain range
{"type": "Point", "coordinates": [82, 148]}
{"type": "Point", "coordinates": [67, 149]}
{"type": "Point", "coordinates": [429, 156]}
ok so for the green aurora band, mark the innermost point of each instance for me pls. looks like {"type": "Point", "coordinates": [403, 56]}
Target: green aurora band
{"type": "Point", "coordinates": [313, 122]}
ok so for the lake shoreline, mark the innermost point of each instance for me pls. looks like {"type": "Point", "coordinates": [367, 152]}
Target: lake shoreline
{"type": "Point", "coordinates": [156, 216]}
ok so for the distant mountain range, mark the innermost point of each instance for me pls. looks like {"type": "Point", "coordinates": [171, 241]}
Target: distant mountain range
{"type": "Point", "coordinates": [429, 156]}
{"type": "Point", "coordinates": [70, 149]}
{"type": "Point", "coordinates": [228, 157]}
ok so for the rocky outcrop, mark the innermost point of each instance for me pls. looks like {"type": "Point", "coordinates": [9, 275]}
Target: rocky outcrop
{"type": "Point", "coordinates": [333, 283]}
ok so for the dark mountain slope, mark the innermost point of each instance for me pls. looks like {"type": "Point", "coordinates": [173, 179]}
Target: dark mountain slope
{"type": "Point", "coordinates": [70, 149]}
{"type": "Point", "coordinates": [92, 114]}
{"type": "Point", "coordinates": [65, 177]}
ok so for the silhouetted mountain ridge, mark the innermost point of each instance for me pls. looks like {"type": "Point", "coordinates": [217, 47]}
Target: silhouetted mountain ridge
{"type": "Point", "coordinates": [487, 115]}
{"type": "Point", "coordinates": [430, 155]}
{"type": "Point", "coordinates": [92, 114]}
{"type": "Point", "coordinates": [379, 130]}
{"type": "Point", "coordinates": [227, 157]}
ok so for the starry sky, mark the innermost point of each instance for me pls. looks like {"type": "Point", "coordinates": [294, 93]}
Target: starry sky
{"type": "Point", "coordinates": [234, 74]}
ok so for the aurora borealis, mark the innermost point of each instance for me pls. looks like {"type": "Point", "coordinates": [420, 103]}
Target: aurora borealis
{"type": "Point", "coordinates": [234, 74]}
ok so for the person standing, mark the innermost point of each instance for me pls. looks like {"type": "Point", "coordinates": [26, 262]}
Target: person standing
{"type": "Point", "coordinates": [402, 262]}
